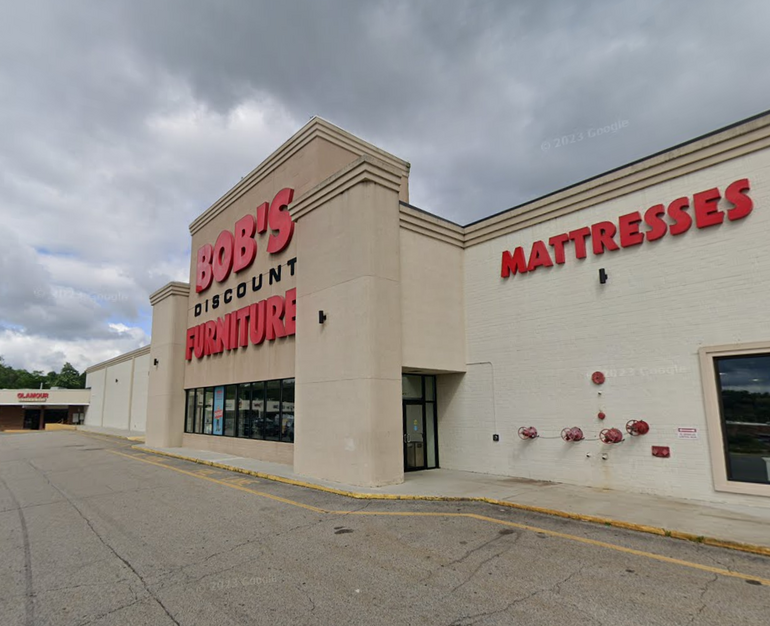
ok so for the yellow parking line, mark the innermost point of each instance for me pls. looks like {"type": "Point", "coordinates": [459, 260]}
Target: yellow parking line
{"type": "Point", "coordinates": [221, 482]}
{"type": "Point", "coordinates": [612, 546]}
{"type": "Point", "coordinates": [551, 533]}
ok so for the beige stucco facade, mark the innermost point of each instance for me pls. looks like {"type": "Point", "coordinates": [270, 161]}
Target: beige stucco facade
{"type": "Point", "coordinates": [353, 226]}
{"type": "Point", "coordinates": [348, 237]}
{"type": "Point", "coordinates": [374, 314]}
{"type": "Point", "coordinates": [344, 259]}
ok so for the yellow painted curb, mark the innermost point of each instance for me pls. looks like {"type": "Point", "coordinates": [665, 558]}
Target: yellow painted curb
{"type": "Point", "coordinates": [60, 427]}
{"type": "Point", "coordinates": [114, 436]}
{"type": "Point", "coordinates": [604, 521]}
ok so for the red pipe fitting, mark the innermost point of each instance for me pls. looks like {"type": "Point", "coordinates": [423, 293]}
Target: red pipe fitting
{"type": "Point", "coordinates": [572, 434]}
{"type": "Point", "coordinates": [528, 432]}
{"type": "Point", "coordinates": [601, 415]}
{"type": "Point", "coordinates": [637, 427]}
{"type": "Point", "coordinates": [611, 435]}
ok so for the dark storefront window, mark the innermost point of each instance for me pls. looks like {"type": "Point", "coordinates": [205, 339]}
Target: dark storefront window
{"type": "Point", "coordinates": [198, 424]}
{"type": "Point", "coordinates": [231, 410]}
{"type": "Point", "coordinates": [411, 387]}
{"type": "Point", "coordinates": [744, 398]}
{"type": "Point", "coordinates": [208, 411]}
{"type": "Point", "coordinates": [189, 411]}
{"type": "Point", "coordinates": [273, 410]}
{"type": "Point", "coordinates": [244, 405]}
{"type": "Point", "coordinates": [259, 410]}
{"type": "Point", "coordinates": [287, 410]}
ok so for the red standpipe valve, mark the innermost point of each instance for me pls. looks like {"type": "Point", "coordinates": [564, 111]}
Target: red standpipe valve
{"type": "Point", "coordinates": [528, 432]}
{"type": "Point", "coordinates": [572, 434]}
{"type": "Point", "coordinates": [637, 427]}
{"type": "Point", "coordinates": [611, 435]}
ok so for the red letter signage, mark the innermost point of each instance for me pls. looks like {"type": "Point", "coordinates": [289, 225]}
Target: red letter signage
{"type": "Point", "coordinates": [235, 251]}
{"type": "Point", "coordinates": [703, 209]}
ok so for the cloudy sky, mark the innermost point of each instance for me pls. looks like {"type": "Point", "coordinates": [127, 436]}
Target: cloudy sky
{"type": "Point", "coordinates": [122, 120]}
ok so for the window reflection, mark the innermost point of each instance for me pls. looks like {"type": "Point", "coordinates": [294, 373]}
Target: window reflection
{"type": "Point", "coordinates": [208, 411]}
{"type": "Point", "coordinates": [189, 411]}
{"type": "Point", "coordinates": [411, 386]}
{"type": "Point", "coordinates": [257, 410]}
{"type": "Point", "coordinates": [272, 419]}
{"type": "Point", "coordinates": [231, 394]}
{"type": "Point", "coordinates": [287, 410]}
{"type": "Point", "coordinates": [198, 426]}
{"type": "Point", "coordinates": [244, 406]}
{"type": "Point", "coordinates": [744, 390]}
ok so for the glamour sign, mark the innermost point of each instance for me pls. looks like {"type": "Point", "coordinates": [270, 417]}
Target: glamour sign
{"type": "Point", "coordinates": [32, 397]}
{"type": "Point", "coordinates": [703, 210]}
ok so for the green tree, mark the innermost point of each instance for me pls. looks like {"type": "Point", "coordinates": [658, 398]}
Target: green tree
{"type": "Point", "coordinates": [50, 379]}
{"type": "Point", "coordinates": [68, 378]}
{"type": "Point", "coordinates": [6, 376]}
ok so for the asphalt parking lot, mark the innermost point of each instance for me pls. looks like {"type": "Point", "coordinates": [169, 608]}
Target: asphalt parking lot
{"type": "Point", "coordinates": [93, 531]}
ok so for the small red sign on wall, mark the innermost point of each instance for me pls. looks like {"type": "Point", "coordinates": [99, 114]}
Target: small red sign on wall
{"type": "Point", "coordinates": [32, 397]}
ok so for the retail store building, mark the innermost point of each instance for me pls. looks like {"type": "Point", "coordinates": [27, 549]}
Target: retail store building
{"type": "Point", "coordinates": [331, 325]}
{"type": "Point", "coordinates": [32, 409]}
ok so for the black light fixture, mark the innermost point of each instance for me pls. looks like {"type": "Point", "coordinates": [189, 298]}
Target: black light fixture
{"type": "Point", "coordinates": [602, 276]}
{"type": "Point", "coordinates": [321, 317]}
{"type": "Point", "coordinates": [155, 362]}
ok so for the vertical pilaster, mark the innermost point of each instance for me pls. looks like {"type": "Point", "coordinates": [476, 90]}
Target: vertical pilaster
{"type": "Point", "coordinates": [166, 406]}
{"type": "Point", "coordinates": [348, 368]}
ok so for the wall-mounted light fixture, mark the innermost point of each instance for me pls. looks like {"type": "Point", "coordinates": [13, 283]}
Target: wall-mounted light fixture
{"type": "Point", "coordinates": [602, 276]}
{"type": "Point", "coordinates": [155, 362]}
{"type": "Point", "coordinates": [321, 317]}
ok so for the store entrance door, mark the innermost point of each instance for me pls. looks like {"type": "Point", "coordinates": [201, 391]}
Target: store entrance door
{"type": "Point", "coordinates": [32, 419]}
{"type": "Point", "coordinates": [420, 423]}
{"type": "Point", "coordinates": [414, 436]}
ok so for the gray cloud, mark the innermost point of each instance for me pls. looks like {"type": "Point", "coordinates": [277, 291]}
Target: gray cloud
{"type": "Point", "coordinates": [122, 121]}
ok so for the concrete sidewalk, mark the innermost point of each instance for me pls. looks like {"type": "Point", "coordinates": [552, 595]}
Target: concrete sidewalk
{"type": "Point", "coordinates": [725, 525]}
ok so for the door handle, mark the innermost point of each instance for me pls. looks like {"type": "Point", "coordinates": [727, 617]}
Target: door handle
{"type": "Point", "coordinates": [405, 439]}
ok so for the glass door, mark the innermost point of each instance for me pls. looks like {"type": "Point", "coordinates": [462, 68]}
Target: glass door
{"type": "Point", "coordinates": [32, 419]}
{"type": "Point", "coordinates": [420, 422]}
{"type": "Point", "coordinates": [414, 436]}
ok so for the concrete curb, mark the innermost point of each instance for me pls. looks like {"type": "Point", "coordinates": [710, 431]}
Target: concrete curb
{"type": "Point", "coordinates": [593, 519]}
{"type": "Point", "coordinates": [133, 439]}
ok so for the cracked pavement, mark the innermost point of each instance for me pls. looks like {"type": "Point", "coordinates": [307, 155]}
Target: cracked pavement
{"type": "Point", "coordinates": [90, 537]}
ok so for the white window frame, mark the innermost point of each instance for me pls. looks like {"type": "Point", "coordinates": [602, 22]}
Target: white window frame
{"type": "Point", "coordinates": [707, 355]}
